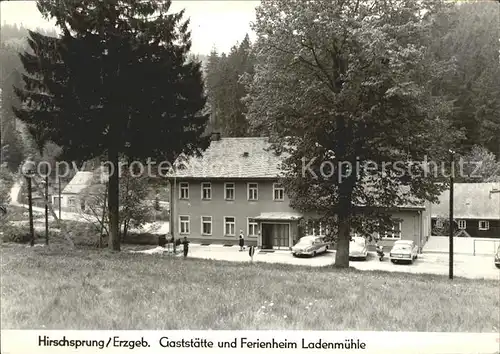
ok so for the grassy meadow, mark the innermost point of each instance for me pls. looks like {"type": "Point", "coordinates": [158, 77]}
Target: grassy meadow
{"type": "Point", "coordinates": [54, 288]}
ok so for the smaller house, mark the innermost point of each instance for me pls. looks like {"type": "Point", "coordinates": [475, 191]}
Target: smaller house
{"type": "Point", "coordinates": [72, 196]}
{"type": "Point", "coordinates": [75, 196]}
{"type": "Point", "coordinates": [476, 211]}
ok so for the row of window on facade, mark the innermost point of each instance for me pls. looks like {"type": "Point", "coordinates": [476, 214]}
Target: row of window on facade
{"type": "Point", "coordinates": [207, 229]}
{"type": "Point", "coordinates": [252, 227]}
{"type": "Point", "coordinates": [394, 233]}
{"type": "Point", "coordinates": [483, 225]}
{"type": "Point", "coordinates": [317, 229]}
{"type": "Point", "coordinates": [230, 191]}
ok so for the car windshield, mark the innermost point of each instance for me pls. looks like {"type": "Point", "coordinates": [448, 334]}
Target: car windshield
{"type": "Point", "coordinates": [402, 247]}
{"type": "Point", "coordinates": [305, 242]}
{"type": "Point", "coordinates": [358, 240]}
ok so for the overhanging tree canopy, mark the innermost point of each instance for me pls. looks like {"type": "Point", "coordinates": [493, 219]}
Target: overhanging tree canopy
{"type": "Point", "coordinates": [347, 82]}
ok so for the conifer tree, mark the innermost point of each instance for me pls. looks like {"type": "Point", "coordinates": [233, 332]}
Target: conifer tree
{"type": "Point", "coordinates": [116, 83]}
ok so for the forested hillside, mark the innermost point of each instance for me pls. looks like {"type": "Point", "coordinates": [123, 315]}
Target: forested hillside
{"type": "Point", "coordinates": [15, 142]}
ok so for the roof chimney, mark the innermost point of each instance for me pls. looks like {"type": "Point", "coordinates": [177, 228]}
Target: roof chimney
{"type": "Point", "coordinates": [215, 136]}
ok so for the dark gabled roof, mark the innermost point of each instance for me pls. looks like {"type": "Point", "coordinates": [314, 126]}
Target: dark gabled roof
{"type": "Point", "coordinates": [470, 201]}
{"type": "Point", "coordinates": [246, 158]}
{"type": "Point", "coordinates": [232, 158]}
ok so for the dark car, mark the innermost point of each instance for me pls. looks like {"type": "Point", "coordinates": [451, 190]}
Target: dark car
{"type": "Point", "coordinates": [497, 258]}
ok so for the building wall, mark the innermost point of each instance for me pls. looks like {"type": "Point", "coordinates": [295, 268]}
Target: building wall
{"type": "Point", "coordinates": [415, 225]}
{"type": "Point", "coordinates": [426, 223]}
{"type": "Point", "coordinates": [412, 228]}
{"type": "Point", "coordinates": [65, 202]}
{"type": "Point", "coordinates": [472, 228]}
{"type": "Point", "coordinates": [241, 209]}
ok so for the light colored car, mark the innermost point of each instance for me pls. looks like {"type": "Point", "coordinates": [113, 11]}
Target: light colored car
{"type": "Point", "coordinates": [497, 258]}
{"type": "Point", "coordinates": [310, 246]}
{"type": "Point", "coordinates": [404, 251]}
{"type": "Point", "coordinates": [358, 248]}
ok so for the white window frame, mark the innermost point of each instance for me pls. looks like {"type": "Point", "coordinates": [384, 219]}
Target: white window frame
{"type": "Point", "coordinates": [278, 187]}
{"type": "Point", "coordinates": [256, 188]}
{"type": "Point", "coordinates": [184, 186]}
{"type": "Point", "coordinates": [256, 226]}
{"type": "Point", "coordinates": [309, 223]}
{"type": "Point", "coordinates": [72, 202]}
{"type": "Point", "coordinates": [229, 223]}
{"type": "Point", "coordinates": [392, 235]}
{"type": "Point", "coordinates": [486, 226]}
{"type": "Point", "coordinates": [206, 186]}
{"type": "Point", "coordinates": [206, 222]}
{"type": "Point", "coordinates": [226, 188]}
{"type": "Point", "coordinates": [462, 224]}
{"type": "Point", "coordinates": [321, 231]}
{"type": "Point", "coordinates": [439, 223]}
{"type": "Point", "coordinates": [185, 222]}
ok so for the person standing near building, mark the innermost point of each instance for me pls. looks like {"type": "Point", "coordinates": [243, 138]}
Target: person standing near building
{"type": "Point", "coordinates": [185, 243]}
{"type": "Point", "coordinates": [242, 241]}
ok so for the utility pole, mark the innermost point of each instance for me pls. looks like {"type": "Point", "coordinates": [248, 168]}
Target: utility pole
{"type": "Point", "coordinates": [47, 209]}
{"type": "Point", "coordinates": [45, 184]}
{"type": "Point", "coordinates": [60, 200]}
{"type": "Point", "coordinates": [173, 191]}
{"type": "Point", "coordinates": [30, 209]}
{"type": "Point", "coordinates": [173, 222]}
{"type": "Point", "coordinates": [28, 170]}
{"type": "Point", "coordinates": [452, 172]}
{"type": "Point", "coordinates": [103, 214]}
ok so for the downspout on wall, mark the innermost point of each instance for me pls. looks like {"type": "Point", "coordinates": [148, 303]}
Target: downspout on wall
{"type": "Point", "coordinates": [172, 207]}
{"type": "Point", "coordinates": [420, 231]}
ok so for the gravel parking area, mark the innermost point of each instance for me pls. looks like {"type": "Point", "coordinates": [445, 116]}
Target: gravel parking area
{"type": "Point", "coordinates": [473, 267]}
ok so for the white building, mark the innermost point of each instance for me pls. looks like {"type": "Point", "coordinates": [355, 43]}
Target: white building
{"type": "Point", "coordinates": [73, 195]}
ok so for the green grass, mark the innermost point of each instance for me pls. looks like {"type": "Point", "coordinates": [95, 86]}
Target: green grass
{"type": "Point", "coordinates": [91, 289]}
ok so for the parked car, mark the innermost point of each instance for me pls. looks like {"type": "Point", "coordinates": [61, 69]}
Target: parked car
{"type": "Point", "coordinates": [358, 248]}
{"type": "Point", "coordinates": [404, 250]}
{"type": "Point", "coordinates": [497, 258]}
{"type": "Point", "coordinates": [310, 246]}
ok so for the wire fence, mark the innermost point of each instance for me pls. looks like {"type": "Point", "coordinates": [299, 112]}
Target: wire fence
{"type": "Point", "coordinates": [485, 246]}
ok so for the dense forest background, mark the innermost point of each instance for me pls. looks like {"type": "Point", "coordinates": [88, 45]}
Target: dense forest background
{"type": "Point", "coordinates": [469, 36]}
